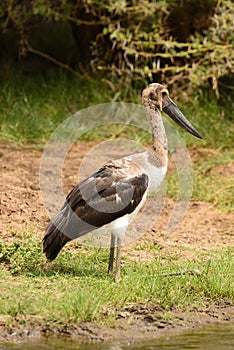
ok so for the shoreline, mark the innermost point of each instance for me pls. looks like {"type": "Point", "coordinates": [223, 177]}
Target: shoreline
{"type": "Point", "coordinates": [137, 323]}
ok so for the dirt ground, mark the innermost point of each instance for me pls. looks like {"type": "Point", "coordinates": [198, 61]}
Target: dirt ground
{"type": "Point", "coordinates": [203, 228]}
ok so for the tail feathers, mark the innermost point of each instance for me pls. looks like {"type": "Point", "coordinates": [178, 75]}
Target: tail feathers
{"type": "Point", "coordinates": [54, 239]}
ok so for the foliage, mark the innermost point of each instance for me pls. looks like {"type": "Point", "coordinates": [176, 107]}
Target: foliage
{"type": "Point", "coordinates": [21, 255]}
{"type": "Point", "coordinates": [185, 44]}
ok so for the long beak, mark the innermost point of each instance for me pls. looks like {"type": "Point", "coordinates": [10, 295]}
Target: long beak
{"type": "Point", "coordinates": [173, 111]}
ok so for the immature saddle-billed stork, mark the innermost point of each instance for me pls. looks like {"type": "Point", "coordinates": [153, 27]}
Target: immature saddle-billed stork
{"type": "Point", "coordinates": [110, 198]}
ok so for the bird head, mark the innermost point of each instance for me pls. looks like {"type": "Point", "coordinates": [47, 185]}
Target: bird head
{"type": "Point", "coordinates": [156, 97]}
{"type": "Point", "coordinates": [152, 96]}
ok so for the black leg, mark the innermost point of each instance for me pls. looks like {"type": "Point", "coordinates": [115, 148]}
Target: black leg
{"type": "Point", "coordinates": [112, 253]}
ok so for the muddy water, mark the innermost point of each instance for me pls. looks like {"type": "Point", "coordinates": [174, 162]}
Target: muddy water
{"type": "Point", "coordinates": [208, 338]}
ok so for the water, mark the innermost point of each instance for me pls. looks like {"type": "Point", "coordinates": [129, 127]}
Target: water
{"type": "Point", "coordinates": [209, 338]}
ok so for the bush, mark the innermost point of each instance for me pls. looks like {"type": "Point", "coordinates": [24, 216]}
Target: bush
{"type": "Point", "coordinates": [163, 40]}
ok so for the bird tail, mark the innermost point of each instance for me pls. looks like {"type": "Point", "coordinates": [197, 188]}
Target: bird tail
{"type": "Point", "coordinates": [54, 239]}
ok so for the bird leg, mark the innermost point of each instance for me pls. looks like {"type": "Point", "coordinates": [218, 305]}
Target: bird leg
{"type": "Point", "coordinates": [118, 255]}
{"type": "Point", "coordinates": [112, 253]}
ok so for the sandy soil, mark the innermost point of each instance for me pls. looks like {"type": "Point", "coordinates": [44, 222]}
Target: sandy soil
{"type": "Point", "coordinates": [203, 229]}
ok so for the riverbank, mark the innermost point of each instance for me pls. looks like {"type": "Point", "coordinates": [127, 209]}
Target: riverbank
{"type": "Point", "coordinates": [135, 323]}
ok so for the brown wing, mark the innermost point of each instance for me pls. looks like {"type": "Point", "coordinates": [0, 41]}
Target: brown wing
{"type": "Point", "coordinates": [98, 200]}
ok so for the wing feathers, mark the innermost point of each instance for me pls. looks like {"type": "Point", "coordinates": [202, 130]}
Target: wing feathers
{"type": "Point", "coordinates": [103, 197]}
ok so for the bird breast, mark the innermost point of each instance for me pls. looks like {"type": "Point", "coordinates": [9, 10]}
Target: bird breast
{"type": "Point", "coordinates": [149, 167]}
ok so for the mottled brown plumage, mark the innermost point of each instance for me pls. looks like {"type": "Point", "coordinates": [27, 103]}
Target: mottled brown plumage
{"type": "Point", "coordinates": [93, 203]}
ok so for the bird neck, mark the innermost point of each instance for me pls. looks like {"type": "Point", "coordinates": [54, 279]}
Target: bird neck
{"type": "Point", "coordinates": [158, 151]}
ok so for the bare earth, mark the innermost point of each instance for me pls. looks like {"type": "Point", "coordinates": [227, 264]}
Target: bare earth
{"type": "Point", "coordinates": [202, 229]}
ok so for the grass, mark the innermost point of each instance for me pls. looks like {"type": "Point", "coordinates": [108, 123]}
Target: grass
{"type": "Point", "coordinates": [212, 179]}
{"type": "Point", "coordinates": [31, 108]}
{"type": "Point", "coordinates": [214, 182]}
{"type": "Point", "coordinates": [77, 288]}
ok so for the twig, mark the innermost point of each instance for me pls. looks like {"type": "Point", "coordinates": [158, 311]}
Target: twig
{"type": "Point", "coordinates": [223, 189]}
{"type": "Point", "coordinates": [217, 192]}
{"type": "Point", "coordinates": [177, 273]}
{"type": "Point", "coordinates": [65, 66]}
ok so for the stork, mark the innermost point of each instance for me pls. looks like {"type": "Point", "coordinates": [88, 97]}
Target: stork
{"type": "Point", "coordinates": [109, 199]}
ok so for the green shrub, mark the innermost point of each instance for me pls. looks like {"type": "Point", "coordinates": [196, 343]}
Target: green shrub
{"type": "Point", "coordinates": [187, 44]}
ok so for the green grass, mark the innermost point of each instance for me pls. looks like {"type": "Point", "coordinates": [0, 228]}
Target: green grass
{"type": "Point", "coordinates": [214, 182]}
{"type": "Point", "coordinates": [76, 287]}
{"type": "Point", "coordinates": [32, 107]}
{"type": "Point", "coordinates": [212, 118]}
{"type": "Point", "coordinates": [212, 179]}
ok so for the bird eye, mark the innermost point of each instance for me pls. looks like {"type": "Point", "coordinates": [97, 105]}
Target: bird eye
{"type": "Point", "coordinates": [152, 96]}
{"type": "Point", "coordinates": [164, 93]}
